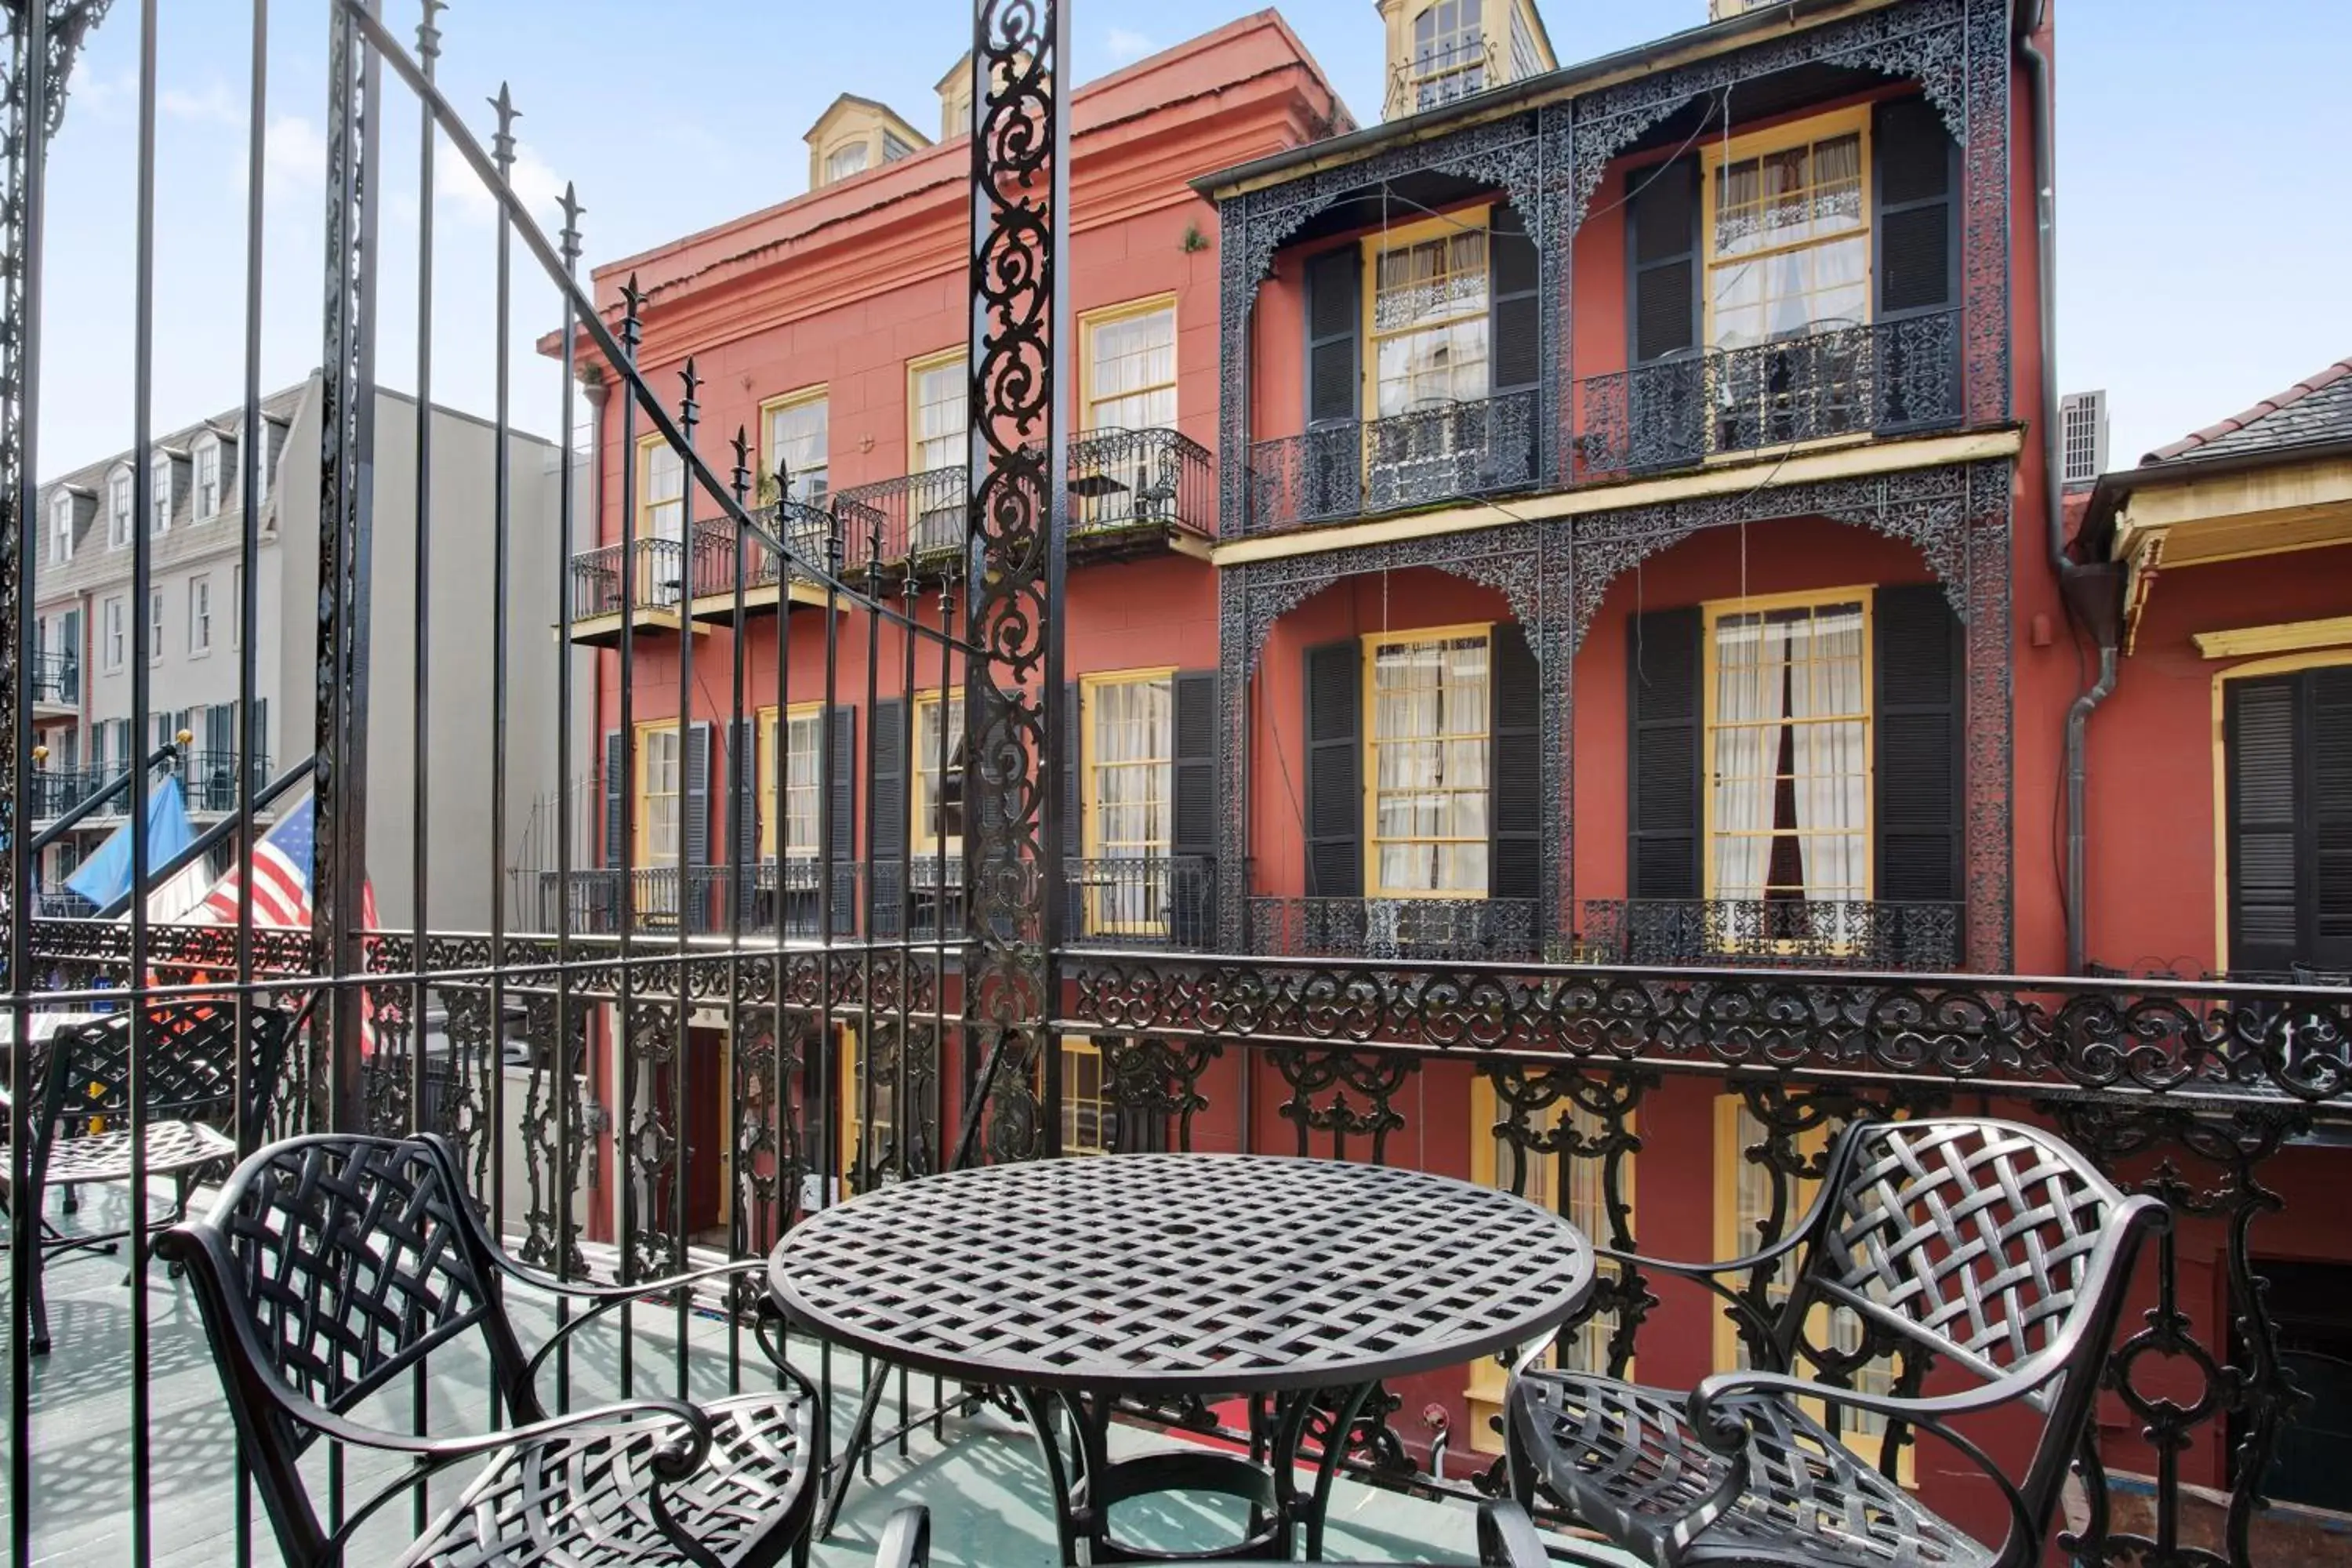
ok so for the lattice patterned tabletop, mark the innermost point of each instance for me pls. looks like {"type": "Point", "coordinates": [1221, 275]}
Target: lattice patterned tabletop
{"type": "Point", "coordinates": [1182, 1273]}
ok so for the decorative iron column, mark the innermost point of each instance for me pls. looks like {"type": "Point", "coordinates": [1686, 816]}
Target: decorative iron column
{"type": "Point", "coordinates": [1018, 470]}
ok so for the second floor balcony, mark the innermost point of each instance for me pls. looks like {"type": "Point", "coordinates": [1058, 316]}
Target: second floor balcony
{"type": "Point", "coordinates": [641, 584]}
{"type": "Point", "coordinates": [57, 683]}
{"type": "Point", "coordinates": [1446, 452]}
{"type": "Point", "coordinates": [1801, 933]}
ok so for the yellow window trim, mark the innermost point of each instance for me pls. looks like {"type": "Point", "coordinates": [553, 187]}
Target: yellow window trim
{"type": "Point", "coordinates": [641, 857]}
{"type": "Point", "coordinates": [765, 788]}
{"type": "Point", "coordinates": [917, 369]}
{"type": "Point", "coordinates": [1074, 1047]}
{"type": "Point", "coordinates": [1369, 761]}
{"type": "Point", "coordinates": [1090, 835]}
{"type": "Point", "coordinates": [1729, 1243]}
{"type": "Point", "coordinates": [647, 447]}
{"type": "Point", "coordinates": [2282, 637]}
{"type": "Point", "coordinates": [852, 1061]}
{"type": "Point", "coordinates": [811, 394]}
{"type": "Point", "coordinates": [1105, 315]}
{"type": "Point", "coordinates": [1714, 610]}
{"type": "Point", "coordinates": [920, 839]}
{"type": "Point", "coordinates": [1460, 220]}
{"type": "Point", "coordinates": [2285, 664]}
{"type": "Point", "coordinates": [1817, 128]}
{"type": "Point", "coordinates": [1489, 1377]}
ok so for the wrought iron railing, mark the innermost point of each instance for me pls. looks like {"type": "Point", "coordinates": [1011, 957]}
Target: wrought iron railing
{"type": "Point", "coordinates": [648, 575]}
{"type": "Point", "coordinates": [1431, 929]}
{"type": "Point", "coordinates": [785, 900]}
{"type": "Point", "coordinates": [1795, 933]}
{"type": "Point", "coordinates": [1456, 451]}
{"type": "Point", "coordinates": [56, 791]}
{"type": "Point", "coordinates": [56, 678]}
{"type": "Point", "coordinates": [806, 526]}
{"type": "Point", "coordinates": [209, 779]}
{"type": "Point", "coordinates": [922, 514]}
{"type": "Point", "coordinates": [1122, 479]}
{"type": "Point", "coordinates": [1169, 900]}
{"type": "Point", "coordinates": [1891, 378]}
{"type": "Point", "coordinates": [1433, 79]}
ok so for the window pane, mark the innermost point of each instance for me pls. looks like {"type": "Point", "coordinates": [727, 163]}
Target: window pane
{"type": "Point", "coordinates": [1131, 372]}
{"type": "Point", "coordinates": [796, 441]}
{"type": "Point", "coordinates": [943, 433]}
{"type": "Point", "coordinates": [1789, 799]}
{"type": "Point", "coordinates": [1430, 765]}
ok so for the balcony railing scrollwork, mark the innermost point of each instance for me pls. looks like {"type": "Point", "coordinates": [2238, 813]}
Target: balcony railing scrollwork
{"type": "Point", "coordinates": [1890, 378]}
{"type": "Point", "coordinates": [1162, 901]}
{"type": "Point", "coordinates": [1453, 451]}
{"type": "Point", "coordinates": [649, 575]}
{"type": "Point", "coordinates": [1436, 929]}
{"type": "Point", "coordinates": [1122, 479]}
{"type": "Point", "coordinates": [1915, 937]}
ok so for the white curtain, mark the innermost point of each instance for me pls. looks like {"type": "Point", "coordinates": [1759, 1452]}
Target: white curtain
{"type": "Point", "coordinates": [1751, 662]}
{"type": "Point", "coordinates": [1429, 720]}
{"type": "Point", "coordinates": [1832, 771]}
{"type": "Point", "coordinates": [1134, 791]}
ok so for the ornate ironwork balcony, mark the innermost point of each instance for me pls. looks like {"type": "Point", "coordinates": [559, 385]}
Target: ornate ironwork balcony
{"type": "Point", "coordinates": [1441, 930]}
{"type": "Point", "coordinates": [1916, 937]}
{"type": "Point", "coordinates": [1892, 378]}
{"type": "Point", "coordinates": [806, 526]}
{"type": "Point", "coordinates": [1456, 452]}
{"type": "Point", "coordinates": [56, 791]}
{"type": "Point", "coordinates": [922, 515]}
{"type": "Point", "coordinates": [784, 900]}
{"type": "Point", "coordinates": [648, 575]}
{"type": "Point", "coordinates": [209, 779]}
{"type": "Point", "coordinates": [1159, 901]}
{"type": "Point", "coordinates": [1125, 479]}
{"type": "Point", "coordinates": [56, 679]}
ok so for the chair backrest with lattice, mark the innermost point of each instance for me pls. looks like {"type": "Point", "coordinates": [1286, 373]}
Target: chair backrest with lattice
{"type": "Point", "coordinates": [329, 1266]}
{"type": "Point", "coordinates": [188, 1058]}
{"type": "Point", "coordinates": [1989, 1245]}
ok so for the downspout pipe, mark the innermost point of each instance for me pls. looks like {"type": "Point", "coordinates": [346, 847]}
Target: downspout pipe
{"type": "Point", "coordinates": [2091, 593]}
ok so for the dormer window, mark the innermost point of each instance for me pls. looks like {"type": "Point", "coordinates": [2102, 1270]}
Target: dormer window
{"type": "Point", "coordinates": [118, 510]}
{"type": "Point", "coordinates": [265, 461]}
{"type": "Point", "coordinates": [208, 476]}
{"type": "Point", "coordinates": [845, 161]}
{"type": "Point", "coordinates": [160, 520]}
{"type": "Point", "coordinates": [1449, 53]}
{"type": "Point", "coordinates": [61, 528]}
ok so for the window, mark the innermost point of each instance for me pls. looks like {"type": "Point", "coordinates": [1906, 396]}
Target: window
{"type": "Point", "coordinates": [1449, 53]}
{"type": "Point", "coordinates": [955, 104]}
{"type": "Point", "coordinates": [208, 477]}
{"type": "Point", "coordinates": [263, 464]}
{"type": "Point", "coordinates": [118, 510]}
{"type": "Point", "coordinates": [111, 632]}
{"type": "Point", "coordinates": [1130, 367]}
{"type": "Point", "coordinates": [1787, 232]}
{"type": "Point", "coordinates": [935, 818]}
{"type": "Point", "coordinates": [236, 605]}
{"type": "Point", "coordinates": [2286, 818]}
{"type": "Point", "coordinates": [660, 806]}
{"type": "Point", "coordinates": [1497, 1161]}
{"type": "Point", "coordinates": [939, 437]}
{"type": "Point", "coordinates": [1524, 62]}
{"type": "Point", "coordinates": [1743, 1207]}
{"type": "Point", "coordinates": [794, 438]}
{"type": "Point", "coordinates": [200, 615]}
{"type": "Point", "coordinates": [1129, 801]}
{"type": "Point", "coordinates": [61, 528]}
{"type": "Point", "coordinates": [893, 147]}
{"type": "Point", "coordinates": [155, 626]}
{"type": "Point", "coordinates": [1089, 1116]}
{"type": "Point", "coordinates": [160, 520]}
{"type": "Point", "coordinates": [868, 1116]}
{"type": "Point", "coordinates": [845, 160]}
{"type": "Point", "coordinates": [803, 741]}
{"type": "Point", "coordinates": [1788, 749]}
{"type": "Point", "coordinates": [1428, 318]}
{"type": "Point", "coordinates": [661, 492]}
{"type": "Point", "coordinates": [1428, 703]}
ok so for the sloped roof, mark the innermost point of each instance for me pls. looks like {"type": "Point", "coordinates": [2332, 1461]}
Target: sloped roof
{"type": "Point", "coordinates": [2316, 408]}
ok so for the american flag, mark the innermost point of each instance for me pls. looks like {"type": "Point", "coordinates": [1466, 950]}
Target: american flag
{"type": "Point", "coordinates": [282, 891]}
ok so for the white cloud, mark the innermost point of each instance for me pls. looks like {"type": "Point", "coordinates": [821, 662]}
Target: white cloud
{"type": "Point", "coordinates": [293, 156]}
{"type": "Point", "coordinates": [1126, 46]}
{"type": "Point", "coordinates": [457, 186]}
{"type": "Point", "coordinates": [214, 106]}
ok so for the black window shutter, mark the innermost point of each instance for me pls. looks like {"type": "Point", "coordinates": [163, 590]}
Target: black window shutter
{"type": "Point", "coordinates": [1334, 314]}
{"type": "Point", "coordinates": [1662, 807]}
{"type": "Point", "coordinates": [694, 793]}
{"type": "Point", "coordinates": [615, 760]}
{"type": "Point", "coordinates": [2260, 725]}
{"type": "Point", "coordinates": [1515, 814]}
{"type": "Point", "coordinates": [1515, 332]}
{"type": "Point", "coordinates": [1918, 172]}
{"type": "Point", "coordinates": [743, 769]}
{"type": "Point", "coordinates": [1073, 839]}
{"type": "Point", "coordinates": [842, 780]}
{"type": "Point", "coordinates": [1195, 783]}
{"type": "Point", "coordinates": [1662, 229]}
{"type": "Point", "coordinates": [1335, 794]}
{"type": "Point", "coordinates": [1919, 751]}
{"type": "Point", "coordinates": [2330, 745]}
{"type": "Point", "coordinates": [261, 727]}
{"type": "Point", "coordinates": [889, 807]}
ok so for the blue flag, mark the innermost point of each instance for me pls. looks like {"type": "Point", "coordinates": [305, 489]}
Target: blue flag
{"type": "Point", "coordinates": [105, 877]}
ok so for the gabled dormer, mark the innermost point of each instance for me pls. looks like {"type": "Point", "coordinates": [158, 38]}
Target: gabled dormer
{"type": "Point", "coordinates": [1440, 51]}
{"type": "Point", "coordinates": [856, 134]}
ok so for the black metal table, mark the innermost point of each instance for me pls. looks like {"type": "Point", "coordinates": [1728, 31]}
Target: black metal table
{"type": "Point", "coordinates": [1074, 1282]}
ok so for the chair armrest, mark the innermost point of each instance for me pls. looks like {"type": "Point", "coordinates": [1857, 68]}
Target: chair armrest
{"type": "Point", "coordinates": [606, 1297]}
{"type": "Point", "coordinates": [905, 1540]}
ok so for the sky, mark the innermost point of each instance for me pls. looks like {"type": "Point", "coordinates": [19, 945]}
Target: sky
{"type": "Point", "coordinates": [2205, 178]}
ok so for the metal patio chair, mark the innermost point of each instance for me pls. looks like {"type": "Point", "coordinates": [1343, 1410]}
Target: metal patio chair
{"type": "Point", "coordinates": [1994, 1248]}
{"type": "Point", "coordinates": [1505, 1539]}
{"type": "Point", "coordinates": [82, 1122]}
{"type": "Point", "coordinates": [332, 1265]}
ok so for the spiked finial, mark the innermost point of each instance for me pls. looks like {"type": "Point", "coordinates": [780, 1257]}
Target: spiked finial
{"type": "Point", "coordinates": [571, 236]}
{"type": "Point", "coordinates": [689, 412]}
{"type": "Point", "coordinates": [742, 477]}
{"type": "Point", "coordinates": [633, 304]}
{"type": "Point", "coordinates": [502, 145]}
{"type": "Point", "coordinates": [428, 36]}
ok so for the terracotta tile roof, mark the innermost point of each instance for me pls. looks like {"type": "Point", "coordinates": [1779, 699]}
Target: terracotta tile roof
{"type": "Point", "coordinates": [2317, 408]}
